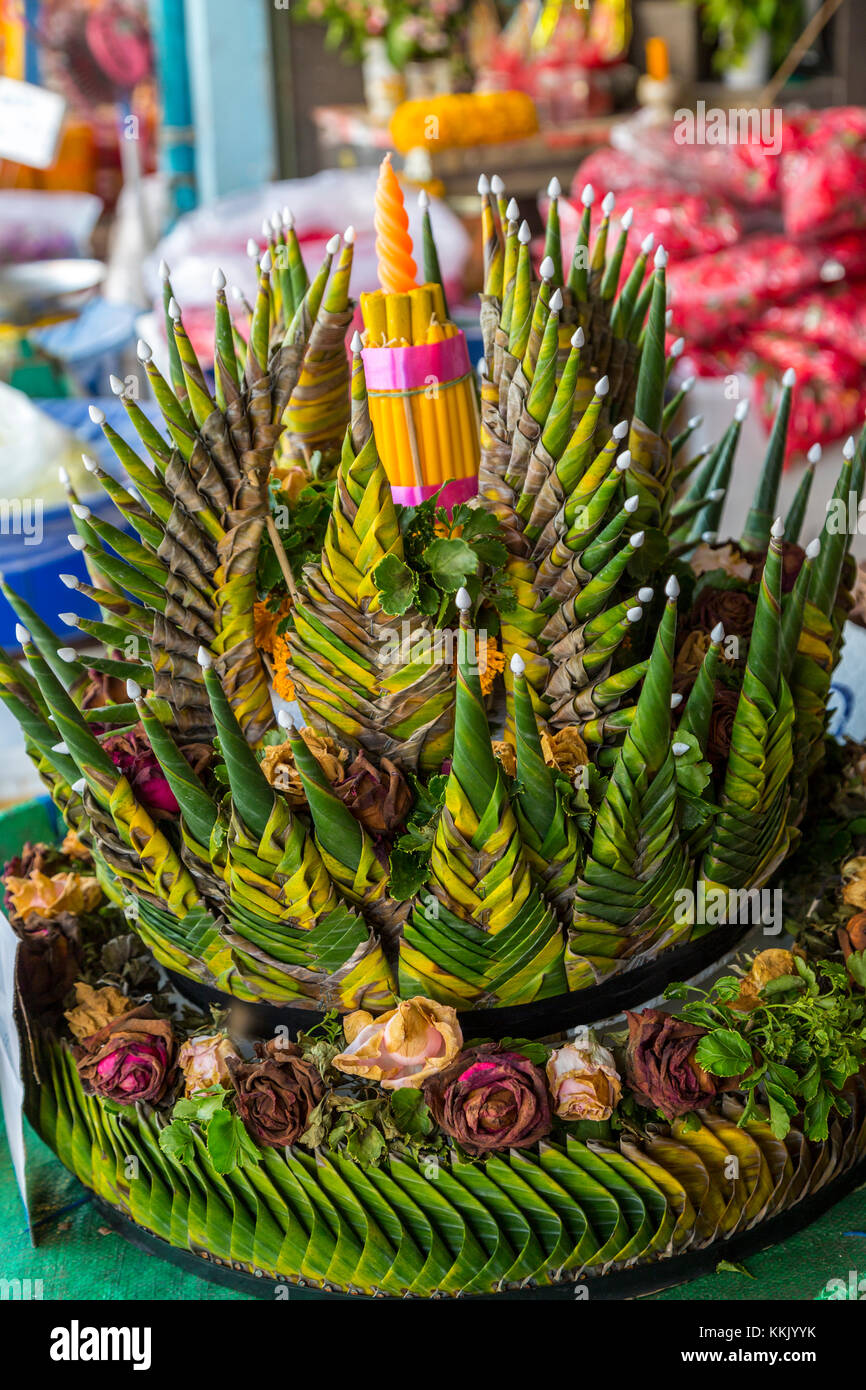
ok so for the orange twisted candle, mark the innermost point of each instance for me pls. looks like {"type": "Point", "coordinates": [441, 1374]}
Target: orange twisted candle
{"type": "Point", "coordinates": [397, 269]}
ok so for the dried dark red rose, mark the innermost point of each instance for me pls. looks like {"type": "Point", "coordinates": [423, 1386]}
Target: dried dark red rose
{"type": "Point", "coordinates": [489, 1099]}
{"type": "Point", "coordinates": [724, 710]}
{"type": "Point", "coordinates": [276, 1093]}
{"type": "Point", "coordinates": [130, 1059]}
{"type": "Point", "coordinates": [49, 959]}
{"type": "Point", "coordinates": [734, 608]}
{"type": "Point", "coordinates": [660, 1064]}
{"type": "Point", "coordinates": [132, 753]}
{"type": "Point", "coordinates": [378, 797]}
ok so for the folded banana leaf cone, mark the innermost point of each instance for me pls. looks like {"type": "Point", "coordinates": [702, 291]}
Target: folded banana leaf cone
{"type": "Point", "coordinates": [751, 835]}
{"type": "Point", "coordinates": [626, 896]}
{"type": "Point", "coordinates": [286, 921]}
{"type": "Point", "coordinates": [349, 658]}
{"type": "Point", "coordinates": [317, 415]}
{"type": "Point", "coordinates": [481, 933]}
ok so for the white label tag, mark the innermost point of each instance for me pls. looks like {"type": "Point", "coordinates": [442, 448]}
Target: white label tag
{"type": "Point", "coordinates": [30, 121]}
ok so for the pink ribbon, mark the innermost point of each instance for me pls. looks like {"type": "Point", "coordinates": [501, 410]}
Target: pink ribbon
{"type": "Point", "coordinates": [410, 368]}
{"type": "Point", "coordinates": [458, 490]}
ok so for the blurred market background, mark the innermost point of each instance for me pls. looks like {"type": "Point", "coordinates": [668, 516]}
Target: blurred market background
{"type": "Point", "coordinates": [138, 133]}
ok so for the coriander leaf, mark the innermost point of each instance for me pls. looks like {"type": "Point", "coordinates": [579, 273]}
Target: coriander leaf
{"type": "Point", "coordinates": [409, 873]}
{"type": "Point", "coordinates": [223, 1144]}
{"type": "Point", "coordinates": [176, 1140]}
{"type": "Point", "coordinates": [724, 1053]}
{"type": "Point", "coordinates": [396, 583]}
{"type": "Point", "coordinates": [450, 562]}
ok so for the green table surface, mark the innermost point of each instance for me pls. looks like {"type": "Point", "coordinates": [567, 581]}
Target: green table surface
{"type": "Point", "coordinates": [78, 1257]}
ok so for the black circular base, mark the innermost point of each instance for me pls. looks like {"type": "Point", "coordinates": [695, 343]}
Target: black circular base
{"type": "Point", "coordinates": [636, 1282]}
{"type": "Point", "coordinates": [624, 990]}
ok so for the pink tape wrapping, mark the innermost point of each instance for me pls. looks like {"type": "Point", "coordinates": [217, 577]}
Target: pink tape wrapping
{"type": "Point", "coordinates": [409, 368]}
{"type": "Point", "coordinates": [458, 490]}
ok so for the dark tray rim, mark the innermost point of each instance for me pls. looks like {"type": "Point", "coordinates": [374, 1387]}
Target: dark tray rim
{"type": "Point", "coordinates": [622, 991]}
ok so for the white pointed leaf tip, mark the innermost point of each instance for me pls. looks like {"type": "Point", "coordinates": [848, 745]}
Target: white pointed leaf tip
{"type": "Point", "coordinates": [679, 748]}
{"type": "Point", "coordinates": [70, 580]}
{"type": "Point", "coordinates": [333, 246]}
{"type": "Point", "coordinates": [672, 588]}
{"type": "Point", "coordinates": [173, 309]}
{"type": "Point", "coordinates": [116, 385]}
{"type": "Point", "coordinates": [463, 601]}
{"type": "Point", "coordinates": [80, 786]}
{"type": "Point", "coordinates": [602, 386]}
{"type": "Point", "coordinates": [288, 219]}
{"type": "Point", "coordinates": [716, 494]}
{"type": "Point", "coordinates": [497, 185]}
{"type": "Point", "coordinates": [517, 664]}
{"type": "Point", "coordinates": [164, 271]}
{"type": "Point", "coordinates": [677, 347]}
{"type": "Point", "coordinates": [524, 236]}
{"type": "Point", "coordinates": [814, 454]}
{"type": "Point", "coordinates": [645, 595]}
{"type": "Point", "coordinates": [634, 615]}
{"type": "Point", "coordinates": [718, 633]}
{"type": "Point", "coordinates": [777, 530]}
{"type": "Point", "coordinates": [627, 218]}
{"type": "Point", "coordinates": [624, 460]}
{"type": "Point", "coordinates": [284, 719]}
{"type": "Point", "coordinates": [621, 430]}
{"type": "Point", "coordinates": [741, 412]}
{"type": "Point", "coordinates": [21, 634]}
{"type": "Point", "coordinates": [587, 197]}
{"type": "Point", "coordinates": [555, 301]}
{"type": "Point", "coordinates": [349, 236]}
{"type": "Point", "coordinates": [218, 280]}
{"type": "Point", "coordinates": [276, 222]}
{"type": "Point", "coordinates": [648, 243]}
{"type": "Point", "coordinates": [236, 292]}
{"type": "Point", "coordinates": [89, 463]}
{"type": "Point", "coordinates": [637, 540]}
{"type": "Point", "coordinates": [81, 511]}
{"type": "Point", "coordinates": [63, 476]}
{"type": "Point", "coordinates": [849, 448]}
{"type": "Point", "coordinates": [68, 619]}
{"type": "Point", "coordinates": [77, 542]}
{"type": "Point", "coordinates": [265, 262]}
{"type": "Point", "coordinates": [483, 187]}
{"type": "Point", "coordinates": [66, 653]}
{"type": "Point", "coordinates": [660, 259]}
{"type": "Point", "coordinates": [676, 700]}
{"type": "Point", "coordinates": [512, 212]}
{"type": "Point", "coordinates": [669, 317]}
{"type": "Point", "coordinates": [547, 268]}
{"type": "Point", "coordinates": [59, 748]}
{"type": "Point", "coordinates": [631, 504]}
{"type": "Point", "coordinates": [253, 248]}
{"type": "Point", "coordinates": [813, 549]}
{"type": "Point", "coordinates": [789, 378]}
{"type": "Point", "coordinates": [133, 690]}
{"type": "Point", "coordinates": [97, 416]}
{"type": "Point", "coordinates": [143, 350]}
{"type": "Point", "coordinates": [357, 342]}
{"type": "Point", "coordinates": [689, 381]}
{"type": "Point", "coordinates": [578, 338]}
{"type": "Point", "coordinates": [709, 537]}
{"type": "Point", "coordinates": [266, 228]}
{"type": "Point", "coordinates": [607, 203]}
{"type": "Point", "coordinates": [554, 188]}
{"type": "Point", "coordinates": [695, 422]}
{"type": "Point", "coordinates": [204, 658]}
